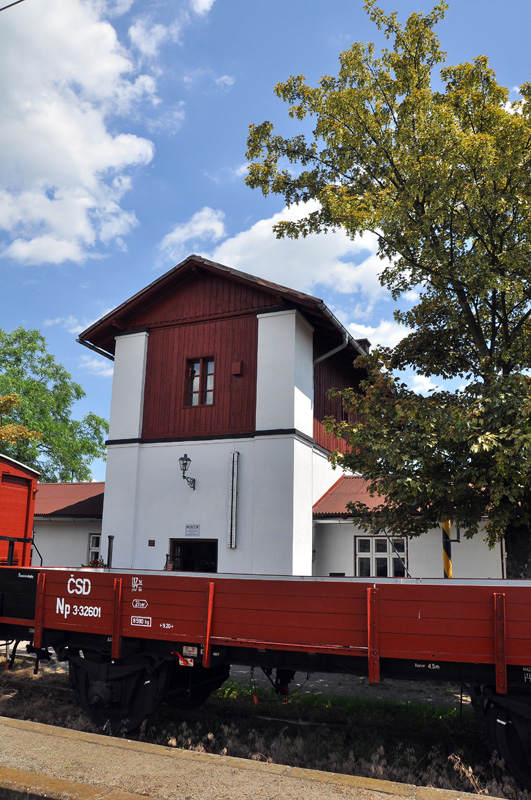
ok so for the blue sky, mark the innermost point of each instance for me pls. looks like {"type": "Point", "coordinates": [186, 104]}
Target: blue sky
{"type": "Point", "coordinates": [122, 141]}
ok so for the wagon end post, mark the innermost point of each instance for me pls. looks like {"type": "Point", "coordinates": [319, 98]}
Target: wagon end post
{"type": "Point", "coordinates": [373, 635]}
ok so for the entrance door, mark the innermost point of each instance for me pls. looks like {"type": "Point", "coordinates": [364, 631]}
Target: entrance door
{"type": "Point", "coordinates": [194, 555]}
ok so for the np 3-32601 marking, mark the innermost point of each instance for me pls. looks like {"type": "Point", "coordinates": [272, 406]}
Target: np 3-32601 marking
{"type": "Point", "coordinates": [65, 609]}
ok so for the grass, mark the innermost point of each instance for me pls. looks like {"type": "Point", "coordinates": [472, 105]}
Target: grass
{"type": "Point", "coordinates": [339, 710]}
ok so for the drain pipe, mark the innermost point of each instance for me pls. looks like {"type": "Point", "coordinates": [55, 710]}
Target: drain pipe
{"type": "Point", "coordinates": [346, 337]}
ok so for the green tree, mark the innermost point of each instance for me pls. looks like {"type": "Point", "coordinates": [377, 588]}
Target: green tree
{"type": "Point", "coordinates": [64, 447]}
{"type": "Point", "coordinates": [442, 177]}
{"type": "Point", "coordinates": [10, 431]}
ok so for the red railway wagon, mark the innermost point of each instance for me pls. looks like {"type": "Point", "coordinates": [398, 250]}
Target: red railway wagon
{"type": "Point", "coordinates": [18, 486]}
{"type": "Point", "coordinates": [135, 639]}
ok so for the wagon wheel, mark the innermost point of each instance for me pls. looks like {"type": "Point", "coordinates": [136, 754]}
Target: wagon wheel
{"type": "Point", "coordinates": [190, 687]}
{"type": "Point", "coordinates": [510, 735]}
{"type": "Point", "coordinates": [119, 704]}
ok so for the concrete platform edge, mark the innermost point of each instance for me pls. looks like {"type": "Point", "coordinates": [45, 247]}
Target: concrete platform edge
{"type": "Point", "coordinates": [21, 785]}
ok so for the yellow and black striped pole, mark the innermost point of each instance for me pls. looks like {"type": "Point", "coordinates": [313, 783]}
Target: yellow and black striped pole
{"type": "Point", "coordinates": [447, 547]}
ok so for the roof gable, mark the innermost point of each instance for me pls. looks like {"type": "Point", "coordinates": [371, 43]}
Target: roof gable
{"type": "Point", "coordinates": [197, 289]}
{"type": "Point", "coordinates": [205, 295]}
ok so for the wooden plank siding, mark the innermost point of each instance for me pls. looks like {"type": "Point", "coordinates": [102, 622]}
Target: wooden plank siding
{"type": "Point", "coordinates": [204, 316]}
{"type": "Point", "coordinates": [166, 410]}
{"type": "Point", "coordinates": [210, 315]}
{"type": "Point", "coordinates": [435, 621]}
{"type": "Point", "coordinates": [200, 297]}
{"type": "Point", "coordinates": [335, 372]}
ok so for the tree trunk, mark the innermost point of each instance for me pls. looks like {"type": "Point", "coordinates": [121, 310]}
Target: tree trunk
{"type": "Point", "coordinates": [518, 551]}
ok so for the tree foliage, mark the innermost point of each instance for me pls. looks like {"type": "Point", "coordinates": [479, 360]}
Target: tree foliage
{"type": "Point", "coordinates": [39, 395]}
{"type": "Point", "coordinates": [436, 162]}
{"type": "Point", "coordinates": [464, 456]}
{"type": "Point", "coordinates": [10, 432]}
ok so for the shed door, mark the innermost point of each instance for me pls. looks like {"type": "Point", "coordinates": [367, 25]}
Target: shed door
{"type": "Point", "coordinates": [15, 495]}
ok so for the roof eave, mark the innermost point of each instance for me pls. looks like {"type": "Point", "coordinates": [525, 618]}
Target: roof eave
{"type": "Point", "coordinates": [111, 319]}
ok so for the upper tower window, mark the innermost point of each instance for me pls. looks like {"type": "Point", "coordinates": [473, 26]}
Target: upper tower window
{"type": "Point", "coordinates": [200, 381]}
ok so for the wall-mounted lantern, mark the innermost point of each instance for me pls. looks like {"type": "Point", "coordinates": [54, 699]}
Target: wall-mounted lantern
{"type": "Point", "coordinates": [184, 463]}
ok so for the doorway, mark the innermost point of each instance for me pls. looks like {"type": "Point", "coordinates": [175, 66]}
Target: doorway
{"type": "Point", "coordinates": [193, 555]}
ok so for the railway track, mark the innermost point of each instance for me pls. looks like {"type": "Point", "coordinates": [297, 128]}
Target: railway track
{"type": "Point", "coordinates": [33, 696]}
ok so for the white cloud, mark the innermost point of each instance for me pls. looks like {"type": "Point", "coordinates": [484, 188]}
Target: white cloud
{"type": "Point", "coordinates": [386, 334]}
{"type": "Point", "coordinates": [193, 77]}
{"type": "Point", "coordinates": [43, 250]}
{"type": "Point", "coordinates": [201, 7]}
{"type": "Point", "coordinates": [115, 8]}
{"type": "Point", "coordinates": [169, 120]}
{"type": "Point", "coordinates": [148, 37]}
{"type": "Point", "coordinates": [322, 262]}
{"type": "Point", "coordinates": [412, 295]}
{"type": "Point", "coordinates": [331, 260]}
{"type": "Point", "coordinates": [228, 174]}
{"type": "Point", "coordinates": [224, 81]}
{"type": "Point", "coordinates": [70, 323]}
{"type": "Point", "coordinates": [95, 365]}
{"type": "Point", "coordinates": [422, 384]}
{"type": "Point", "coordinates": [73, 324]}
{"type": "Point", "coordinates": [64, 171]}
{"type": "Point", "coordinates": [204, 226]}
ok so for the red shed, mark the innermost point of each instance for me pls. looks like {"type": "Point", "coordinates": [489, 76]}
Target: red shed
{"type": "Point", "coordinates": [18, 487]}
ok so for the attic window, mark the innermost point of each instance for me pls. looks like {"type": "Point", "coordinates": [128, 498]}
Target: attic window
{"type": "Point", "coordinates": [200, 377]}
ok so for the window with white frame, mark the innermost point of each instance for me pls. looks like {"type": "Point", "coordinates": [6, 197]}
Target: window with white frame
{"type": "Point", "coordinates": [94, 547]}
{"type": "Point", "coordinates": [200, 387]}
{"type": "Point", "coordinates": [380, 557]}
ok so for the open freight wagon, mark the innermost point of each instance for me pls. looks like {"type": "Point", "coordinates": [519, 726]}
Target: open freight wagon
{"type": "Point", "coordinates": [136, 639]}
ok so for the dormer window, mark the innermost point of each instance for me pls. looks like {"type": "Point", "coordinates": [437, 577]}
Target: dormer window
{"type": "Point", "coordinates": [200, 373]}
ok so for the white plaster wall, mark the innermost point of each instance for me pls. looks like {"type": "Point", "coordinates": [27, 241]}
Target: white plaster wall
{"type": "Point", "coordinates": [166, 504]}
{"type": "Point", "coordinates": [323, 475]}
{"type": "Point", "coordinates": [334, 548]}
{"type": "Point", "coordinates": [64, 543]}
{"type": "Point", "coordinates": [150, 500]}
{"type": "Point", "coordinates": [127, 399]}
{"type": "Point", "coordinates": [284, 383]}
{"type": "Point", "coordinates": [303, 397]}
{"type": "Point", "coordinates": [273, 506]}
{"type": "Point", "coordinates": [121, 500]}
{"type": "Point", "coordinates": [471, 554]}
{"type": "Point", "coordinates": [156, 503]}
{"type": "Point", "coordinates": [302, 509]}
{"type": "Point", "coordinates": [471, 558]}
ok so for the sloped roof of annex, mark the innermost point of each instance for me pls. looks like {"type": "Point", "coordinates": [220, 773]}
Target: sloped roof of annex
{"type": "Point", "coordinates": [348, 489]}
{"type": "Point", "coordinates": [70, 500]}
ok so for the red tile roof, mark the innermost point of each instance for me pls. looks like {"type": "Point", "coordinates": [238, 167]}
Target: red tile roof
{"type": "Point", "coordinates": [70, 500]}
{"type": "Point", "coordinates": [346, 490]}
